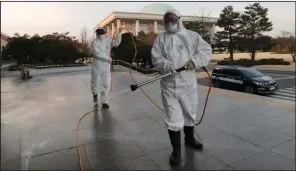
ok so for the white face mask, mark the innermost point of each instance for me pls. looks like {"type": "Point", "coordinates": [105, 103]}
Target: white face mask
{"type": "Point", "coordinates": [172, 28]}
{"type": "Point", "coordinates": [101, 36]}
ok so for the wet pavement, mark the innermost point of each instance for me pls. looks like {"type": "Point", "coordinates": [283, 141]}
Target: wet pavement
{"type": "Point", "coordinates": [38, 122]}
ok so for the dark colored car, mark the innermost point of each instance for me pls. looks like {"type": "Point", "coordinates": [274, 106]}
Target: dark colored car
{"type": "Point", "coordinates": [244, 79]}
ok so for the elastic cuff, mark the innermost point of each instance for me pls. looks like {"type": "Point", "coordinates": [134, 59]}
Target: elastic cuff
{"type": "Point", "coordinates": [173, 128]}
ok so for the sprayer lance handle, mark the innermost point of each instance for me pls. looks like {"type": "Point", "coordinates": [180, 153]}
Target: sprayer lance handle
{"type": "Point", "coordinates": [136, 86]}
{"type": "Point", "coordinates": [181, 69]}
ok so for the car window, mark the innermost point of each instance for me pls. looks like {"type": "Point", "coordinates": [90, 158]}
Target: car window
{"type": "Point", "coordinates": [232, 73]}
{"type": "Point", "coordinates": [217, 71]}
{"type": "Point", "coordinates": [251, 72]}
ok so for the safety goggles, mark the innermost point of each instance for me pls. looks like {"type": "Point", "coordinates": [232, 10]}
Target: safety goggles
{"type": "Point", "coordinates": [171, 18]}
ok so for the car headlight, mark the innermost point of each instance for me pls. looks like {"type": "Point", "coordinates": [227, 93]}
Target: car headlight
{"type": "Point", "coordinates": [258, 83]}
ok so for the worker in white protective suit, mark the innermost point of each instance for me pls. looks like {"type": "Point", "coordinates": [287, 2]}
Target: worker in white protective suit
{"type": "Point", "coordinates": [174, 48]}
{"type": "Point", "coordinates": [101, 74]}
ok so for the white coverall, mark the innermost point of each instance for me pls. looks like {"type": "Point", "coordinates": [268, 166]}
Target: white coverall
{"type": "Point", "coordinates": [179, 92]}
{"type": "Point", "coordinates": [101, 74]}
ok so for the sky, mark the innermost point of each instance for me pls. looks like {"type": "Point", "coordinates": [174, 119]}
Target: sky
{"type": "Point", "coordinates": [48, 17]}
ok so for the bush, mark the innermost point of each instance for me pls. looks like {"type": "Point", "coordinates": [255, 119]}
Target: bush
{"type": "Point", "coordinates": [249, 62]}
{"type": "Point", "coordinates": [280, 52]}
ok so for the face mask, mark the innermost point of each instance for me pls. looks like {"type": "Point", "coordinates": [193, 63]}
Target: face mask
{"type": "Point", "coordinates": [172, 28]}
{"type": "Point", "coordinates": [101, 36]}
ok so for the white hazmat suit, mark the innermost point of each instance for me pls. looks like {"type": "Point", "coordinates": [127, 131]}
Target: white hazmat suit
{"type": "Point", "coordinates": [179, 92]}
{"type": "Point", "coordinates": [173, 50]}
{"type": "Point", "coordinates": [101, 74]}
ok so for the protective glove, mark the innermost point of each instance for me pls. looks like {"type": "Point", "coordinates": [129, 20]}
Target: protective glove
{"type": "Point", "coordinates": [190, 65]}
{"type": "Point", "coordinates": [110, 60]}
{"type": "Point", "coordinates": [171, 68]}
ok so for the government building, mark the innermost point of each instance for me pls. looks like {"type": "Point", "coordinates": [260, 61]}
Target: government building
{"type": "Point", "coordinates": [148, 20]}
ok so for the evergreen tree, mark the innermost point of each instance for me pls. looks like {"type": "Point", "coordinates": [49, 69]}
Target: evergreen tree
{"type": "Point", "coordinates": [199, 28]}
{"type": "Point", "coordinates": [229, 20]}
{"type": "Point", "coordinates": [253, 23]}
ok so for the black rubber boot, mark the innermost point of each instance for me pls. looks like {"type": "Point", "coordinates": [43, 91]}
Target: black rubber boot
{"type": "Point", "coordinates": [105, 106]}
{"type": "Point", "coordinates": [95, 97]}
{"type": "Point", "coordinates": [175, 137]}
{"type": "Point", "coordinates": [190, 141]}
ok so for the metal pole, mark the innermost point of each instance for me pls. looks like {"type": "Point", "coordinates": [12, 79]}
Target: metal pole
{"type": "Point", "coordinates": [154, 79]}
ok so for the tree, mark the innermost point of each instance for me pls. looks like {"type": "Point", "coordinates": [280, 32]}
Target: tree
{"type": "Point", "coordinates": [50, 48]}
{"type": "Point", "coordinates": [229, 21]}
{"type": "Point", "coordinates": [204, 31]}
{"type": "Point", "coordinates": [126, 47]}
{"type": "Point", "coordinates": [199, 26]}
{"type": "Point", "coordinates": [253, 23]}
{"type": "Point", "coordinates": [290, 42]}
{"type": "Point", "coordinates": [264, 43]}
{"type": "Point", "coordinates": [84, 41]}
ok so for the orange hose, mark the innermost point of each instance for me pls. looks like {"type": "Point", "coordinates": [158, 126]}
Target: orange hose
{"type": "Point", "coordinates": [131, 75]}
{"type": "Point", "coordinates": [206, 102]}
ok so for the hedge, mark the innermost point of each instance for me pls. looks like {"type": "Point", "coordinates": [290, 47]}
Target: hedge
{"type": "Point", "coordinates": [249, 62]}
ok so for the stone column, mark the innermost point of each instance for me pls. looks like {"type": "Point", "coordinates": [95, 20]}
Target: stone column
{"type": "Point", "coordinates": [155, 27]}
{"type": "Point", "coordinates": [213, 30]}
{"type": "Point", "coordinates": [113, 29]}
{"type": "Point", "coordinates": [108, 31]}
{"type": "Point", "coordinates": [137, 27]}
{"type": "Point", "coordinates": [118, 24]}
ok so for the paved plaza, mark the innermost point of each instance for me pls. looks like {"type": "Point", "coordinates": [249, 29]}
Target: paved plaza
{"type": "Point", "coordinates": [38, 122]}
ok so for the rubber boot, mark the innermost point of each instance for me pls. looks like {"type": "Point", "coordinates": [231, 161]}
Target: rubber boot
{"type": "Point", "coordinates": [190, 141]}
{"type": "Point", "coordinates": [95, 97]}
{"type": "Point", "coordinates": [175, 137]}
{"type": "Point", "coordinates": [105, 106]}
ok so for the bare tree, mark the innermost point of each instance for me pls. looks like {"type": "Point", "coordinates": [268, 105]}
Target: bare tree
{"type": "Point", "coordinates": [290, 42]}
{"type": "Point", "coordinates": [202, 19]}
{"type": "Point", "coordinates": [85, 42]}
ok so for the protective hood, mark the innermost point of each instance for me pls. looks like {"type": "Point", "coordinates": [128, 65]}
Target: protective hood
{"type": "Point", "coordinates": [177, 13]}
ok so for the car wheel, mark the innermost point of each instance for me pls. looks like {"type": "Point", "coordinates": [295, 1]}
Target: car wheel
{"type": "Point", "coordinates": [216, 84]}
{"type": "Point", "coordinates": [250, 90]}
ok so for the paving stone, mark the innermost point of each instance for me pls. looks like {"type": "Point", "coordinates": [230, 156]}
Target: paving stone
{"type": "Point", "coordinates": [191, 160]}
{"type": "Point", "coordinates": [230, 149]}
{"type": "Point", "coordinates": [61, 160]}
{"type": "Point", "coordinates": [11, 165]}
{"type": "Point", "coordinates": [10, 151]}
{"type": "Point", "coordinates": [107, 153]}
{"type": "Point", "coordinates": [265, 161]}
{"type": "Point", "coordinates": [286, 149]}
{"type": "Point", "coordinates": [261, 136]}
{"type": "Point", "coordinates": [38, 123]}
{"type": "Point", "coordinates": [140, 126]}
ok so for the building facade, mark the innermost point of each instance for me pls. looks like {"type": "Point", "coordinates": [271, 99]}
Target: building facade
{"type": "Point", "coordinates": [149, 19]}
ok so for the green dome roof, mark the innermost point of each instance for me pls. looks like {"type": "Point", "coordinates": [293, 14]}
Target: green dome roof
{"type": "Point", "coordinates": [156, 8]}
